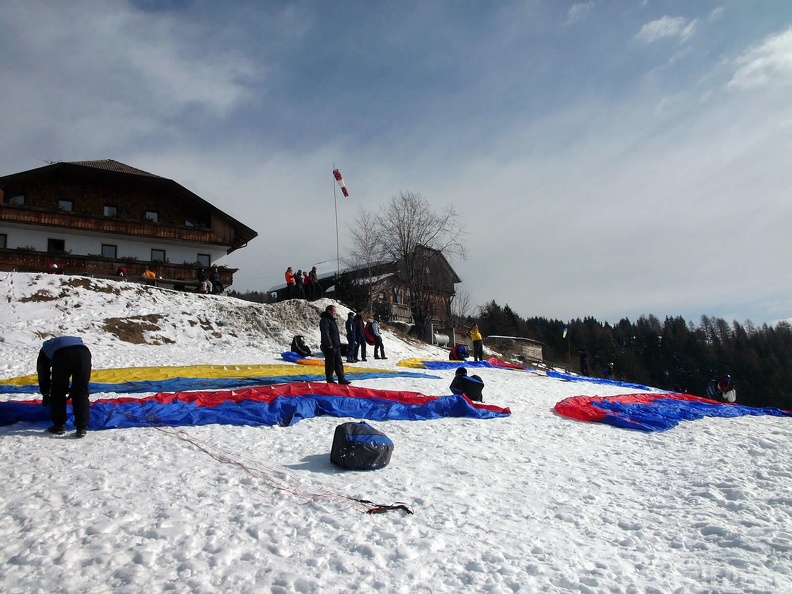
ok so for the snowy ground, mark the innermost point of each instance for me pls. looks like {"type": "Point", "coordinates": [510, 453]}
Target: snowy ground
{"type": "Point", "coordinates": [530, 503]}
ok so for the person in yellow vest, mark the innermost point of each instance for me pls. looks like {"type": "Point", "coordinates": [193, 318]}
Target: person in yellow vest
{"type": "Point", "coordinates": [478, 343]}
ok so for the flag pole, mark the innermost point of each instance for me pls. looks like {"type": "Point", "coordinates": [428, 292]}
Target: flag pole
{"type": "Point", "coordinates": [338, 251]}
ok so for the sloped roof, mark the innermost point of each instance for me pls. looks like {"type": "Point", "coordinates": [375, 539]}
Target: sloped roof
{"type": "Point", "coordinates": [242, 233]}
{"type": "Point", "coordinates": [112, 165]}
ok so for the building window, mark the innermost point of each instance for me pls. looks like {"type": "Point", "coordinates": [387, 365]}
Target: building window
{"type": "Point", "coordinates": [197, 221]}
{"type": "Point", "coordinates": [204, 260]}
{"type": "Point", "coordinates": [56, 246]}
{"type": "Point", "coordinates": [3, 241]}
{"type": "Point", "coordinates": [110, 211]}
{"type": "Point", "coordinates": [158, 256]}
{"type": "Point", "coordinates": [381, 296]}
{"type": "Point", "coordinates": [66, 205]}
{"type": "Point", "coordinates": [152, 215]}
{"type": "Point", "coordinates": [15, 199]}
{"type": "Point", "coordinates": [109, 251]}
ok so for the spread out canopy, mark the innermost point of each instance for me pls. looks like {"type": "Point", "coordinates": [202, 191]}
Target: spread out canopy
{"type": "Point", "coordinates": [597, 380]}
{"type": "Point", "coordinates": [136, 380]}
{"type": "Point", "coordinates": [492, 362]}
{"type": "Point", "coordinates": [653, 412]}
{"type": "Point", "coordinates": [293, 357]}
{"type": "Point", "coordinates": [265, 405]}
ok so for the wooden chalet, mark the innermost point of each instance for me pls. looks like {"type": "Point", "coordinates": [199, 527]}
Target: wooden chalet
{"type": "Point", "coordinates": [390, 290]}
{"type": "Point", "coordinates": [92, 217]}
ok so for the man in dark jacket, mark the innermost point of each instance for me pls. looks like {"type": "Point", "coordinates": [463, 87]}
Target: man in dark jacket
{"type": "Point", "coordinates": [60, 359]}
{"type": "Point", "coordinates": [360, 327]}
{"type": "Point", "coordinates": [331, 346]}
{"type": "Point", "coordinates": [351, 332]}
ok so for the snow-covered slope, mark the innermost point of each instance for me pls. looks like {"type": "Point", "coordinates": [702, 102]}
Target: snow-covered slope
{"type": "Point", "coordinates": [529, 503]}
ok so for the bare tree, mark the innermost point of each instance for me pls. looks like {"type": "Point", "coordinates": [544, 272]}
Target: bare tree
{"type": "Point", "coordinates": [461, 306]}
{"type": "Point", "coordinates": [366, 251]}
{"type": "Point", "coordinates": [410, 232]}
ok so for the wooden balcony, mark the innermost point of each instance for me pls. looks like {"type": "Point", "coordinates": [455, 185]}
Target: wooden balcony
{"type": "Point", "coordinates": [111, 225]}
{"type": "Point", "coordinates": [31, 261]}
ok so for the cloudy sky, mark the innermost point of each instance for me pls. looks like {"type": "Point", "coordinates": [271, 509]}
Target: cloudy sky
{"type": "Point", "coordinates": [608, 158]}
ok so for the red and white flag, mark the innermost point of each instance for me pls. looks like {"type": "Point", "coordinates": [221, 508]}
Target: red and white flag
{"type": "Point", "coordinates": [340, 180]}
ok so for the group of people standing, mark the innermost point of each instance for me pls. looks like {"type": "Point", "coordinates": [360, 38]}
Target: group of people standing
{"type": "Point", "coordinates": [605, 373]}
{"type": "Point", "coordinates": [356, 337]}
{"type": "Point", "coordinates": [302, 285]}
{"type": "Point", "coordinates": [330, 344]}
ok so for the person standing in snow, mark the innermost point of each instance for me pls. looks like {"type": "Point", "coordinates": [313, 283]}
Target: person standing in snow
{"type": "Point", "coordinates": [59, 360]}
{"type": "Point", "coordinates": [316, 288]}
{"type": "Point", "coordinates": [289, 275]}
{"type": "Point", "coordinates": [299, 284]}
{"type": "Point", "coordinates": [331, 346]}
{"type": "Point", "coordinates": [584, 362]}
{"type": "Point", "coordinates": [360, 328]}
{"type": "Point", "coordinates": [214, 279]}
{"type": "Point", "coordinates": [478, 343]}
{"type": "Point", "coordinates": [351, 332]}
{"type": "Point", "coordinates": [375, 330]}
{"type": "Point", "coordinates": [607, 371]}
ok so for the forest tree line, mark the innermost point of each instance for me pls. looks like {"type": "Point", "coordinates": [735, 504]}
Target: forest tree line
{"type": "Point", "coordinates": [672, 354]}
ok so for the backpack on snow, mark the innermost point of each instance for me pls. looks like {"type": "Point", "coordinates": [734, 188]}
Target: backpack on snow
{"type": "Point", "coordinates": [358, 446]}
{"type": "Point", "coordinates": [470, 386]}
{"type": "Point", "coordinates": [298, 346]}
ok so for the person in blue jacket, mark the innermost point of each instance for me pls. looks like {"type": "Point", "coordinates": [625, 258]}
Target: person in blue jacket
{"type": "Point", "coordinates": [61, 359]}
{"type": "Point", "coordinates": [458, 353]}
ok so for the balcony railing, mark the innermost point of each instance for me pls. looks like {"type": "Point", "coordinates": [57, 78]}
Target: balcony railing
{"type": "Point", "coordinates": [85, 222]}
{"type": "Point", "coordinates": [31, 261]}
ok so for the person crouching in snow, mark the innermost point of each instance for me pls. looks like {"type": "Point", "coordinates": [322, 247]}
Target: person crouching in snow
{"type": "Point", "coordinates": [458, 353]}
{"type": "Point", "coordinates": [331, 346]}
{"type": "Point", "coordinates": [59, 360]}
{"type": "Point", "coordinates": [722, 390]}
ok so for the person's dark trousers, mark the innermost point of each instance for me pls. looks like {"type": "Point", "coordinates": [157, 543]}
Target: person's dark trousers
{"type": "Point", "coordinates": [362, 345]}
{"type": "Point", "coordinates": [71, 362]}
{"type": "Point", "coordinates": [478, 350]}
{"type": "Point", "coordinates": [379, 346]}
{"type": "Point", "coordinates": [333, 363]}
{"type": "Point", "coordinates": [352, 349]}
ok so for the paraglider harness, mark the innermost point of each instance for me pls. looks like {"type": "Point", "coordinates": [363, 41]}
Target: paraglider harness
{"type": "Point", "coordinates": [298, 346]}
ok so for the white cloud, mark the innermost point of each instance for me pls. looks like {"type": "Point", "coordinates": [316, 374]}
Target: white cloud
{"type": "Point", "coordinates": [666, 27]}
{"type": "Point", "coordinates": [767, 63]}
{"type": "Point", "coordinates": [716, 14]}
{"type": "Point", "coordinates": [578, 12]}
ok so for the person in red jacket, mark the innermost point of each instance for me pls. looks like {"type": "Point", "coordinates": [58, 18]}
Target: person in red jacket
{"type": "Point", "coordinates": [290, 283]}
